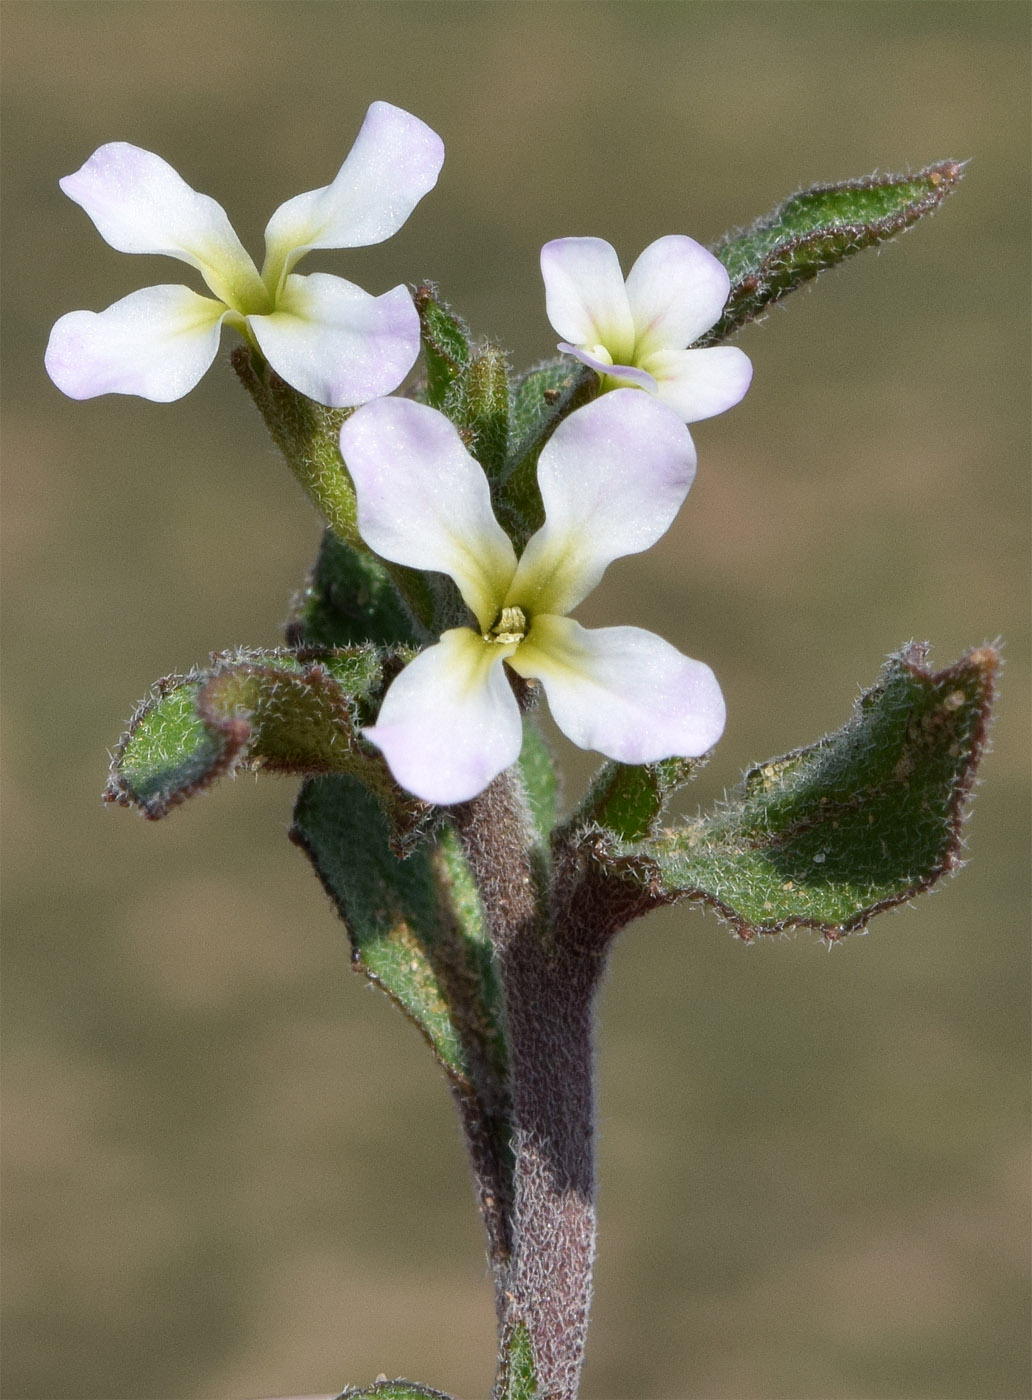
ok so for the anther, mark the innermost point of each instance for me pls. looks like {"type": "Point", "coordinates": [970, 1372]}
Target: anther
{"type": "Point", "coordinates": [510, 627]}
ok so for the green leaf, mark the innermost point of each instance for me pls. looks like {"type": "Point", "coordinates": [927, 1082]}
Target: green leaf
{"type": "Point", "coordinates": [628, 799]}
{"type": "Point", "coordinates": [393, 1390]}
{"type": "Point", "coordinates": [279, 711]}
{"type": "Point", "coordinates": [415, 925]}
{"type": "Point", "coordinates": [816, 229]}
{"type": "Point", "coordinates": [169, 752]}
{"type": "Point", "coordinates": [517, 1379]}
{"type": "Point", "coordinates": [350, 599]}
{"type": "Point", "coordinates": [417, 931]}
{"type": "Point", "coordinates": [830, 835]}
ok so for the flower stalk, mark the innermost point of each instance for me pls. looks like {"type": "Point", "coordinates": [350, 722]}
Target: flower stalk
{"type": "Point", "coordinates": [550, 973]}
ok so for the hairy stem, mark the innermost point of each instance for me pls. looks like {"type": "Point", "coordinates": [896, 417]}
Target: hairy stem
{"type": "Point", "coordinates": [550, 976]}
{"type": "Point", "coordinates": [550, 996]}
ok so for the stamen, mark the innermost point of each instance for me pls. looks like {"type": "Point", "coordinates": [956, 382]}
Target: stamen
{"type": "Point", "coordinates": [510, 627]}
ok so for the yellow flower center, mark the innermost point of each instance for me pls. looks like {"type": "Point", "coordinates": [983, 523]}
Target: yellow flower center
{"type": "Point", "coordinates": [511, 627]}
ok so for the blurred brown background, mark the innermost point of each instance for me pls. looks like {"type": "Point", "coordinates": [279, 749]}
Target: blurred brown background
{"type": "Point", "coordinates": [231, 1170]}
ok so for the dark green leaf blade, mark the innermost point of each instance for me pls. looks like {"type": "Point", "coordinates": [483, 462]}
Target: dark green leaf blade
{"type": "Point", "coordinates": [417, 931]}
{"type": "Point", "coordinates": [830, 835]}
{"type": "Point", "coordinates": [816, 229]}
{"type": "Point", "coordinates": [393, 1390]}
{"type": "Point", "coordinates": [349, 599]}
{"type": "Point", "coordinates": [415, 925]}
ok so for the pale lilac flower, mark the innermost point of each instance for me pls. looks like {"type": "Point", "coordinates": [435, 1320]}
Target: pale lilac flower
{"type": "Point", "coordinates": [326, 337]}
{"type": "Point", "coordinates": [612, 477]}
{"type": "Point", "coordinates": [636, 333]}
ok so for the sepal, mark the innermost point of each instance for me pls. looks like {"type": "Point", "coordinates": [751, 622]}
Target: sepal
{"type": "Point", "coordinates": [628, 799]}
{"type": "Point", "coordinates": [829, 835]}
{"type": "Point", "coordinates": [308, 434]}
{"type": "Point", "coordinates": [816, 229]}
{"type": "Point", "coordinates": [446, 344]}
{"type": "Point", "coordinates": [543, 397]}
{"type": "Point", "coordinates": [480, 408]}
{"type": "Point", "coordinates": [469, 385]}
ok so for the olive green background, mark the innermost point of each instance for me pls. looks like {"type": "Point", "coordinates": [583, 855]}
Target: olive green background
{"type": "Point", "coordinates": [233, 1171]}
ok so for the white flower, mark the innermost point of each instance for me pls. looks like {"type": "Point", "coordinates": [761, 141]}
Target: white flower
{"type": "Point", "coordinates": [612, 477]}
{"type": "Point", "coordinates": [637, 333]}
{"type": "Point", "coordinates": [326, 337]}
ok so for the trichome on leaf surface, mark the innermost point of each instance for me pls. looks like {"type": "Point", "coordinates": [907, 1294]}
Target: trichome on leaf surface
{"type": "Point", "coordinates": [464, 521]}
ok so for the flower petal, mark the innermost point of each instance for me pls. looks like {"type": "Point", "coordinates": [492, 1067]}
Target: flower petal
{"type": "Point", "coordinates": [623, 691]}
{"type": "Point", "coordinates": [337, 343]}
{"type": "Point", "coordinates": [612, 476]}
{"type": "Point", "coordinates": [450, 723]}
{"type": "Point", "coordinates": [697, 384]}
{"type": "Point", "coordinates": [425, 502]}
{"type": "Point", "coordinates": [676, 291]}
{"type": "Point", "coordinates": [627, 374]}
{"type": "Point", "coordinates": [394, 162]}
{"type": "Point", "coordinates": [157, 343]}
{"type": "Point", "coordinates": [141, 205]}
{"type": "Point", "coordinates": [585, 297]}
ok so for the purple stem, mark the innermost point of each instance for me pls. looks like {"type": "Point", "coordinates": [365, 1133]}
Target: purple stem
{"type": "Point", "coordinates": [550, 976]}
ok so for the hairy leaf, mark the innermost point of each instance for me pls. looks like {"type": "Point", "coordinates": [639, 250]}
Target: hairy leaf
{"type": "Point", "coordinates": [517, 1379]}
{"type": "Point", "coordinates": [393, 1390]}
{"type": "Point", "coordinates": [830, 835]}
{"type": "Point", "coordinates": [280, 711]}
{"type": "Point", "coordinates": [350, 599]}
{"type": "Point", "coordinates": [417, 931]}
{"type": "Point", "coordinates": [816, 229]}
